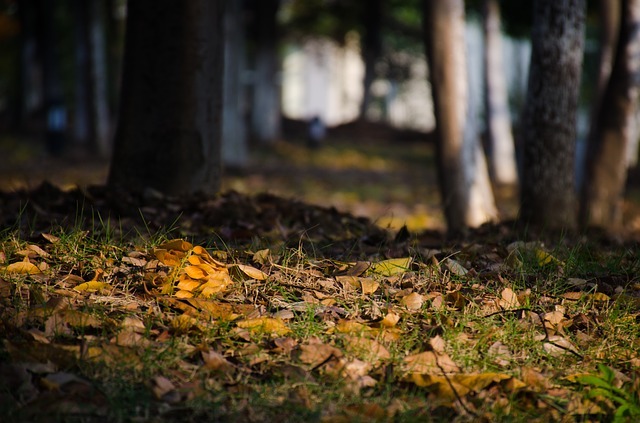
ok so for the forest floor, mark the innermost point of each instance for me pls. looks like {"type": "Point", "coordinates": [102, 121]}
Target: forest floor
{"type": "Point", "coordinates": [298, 295]}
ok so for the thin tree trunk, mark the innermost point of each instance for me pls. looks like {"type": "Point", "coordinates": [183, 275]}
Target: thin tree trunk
{"type": "Point", "coordinates": [549, 118]}
{"type": "Point", "coordinates": [234, 136]}
{"type": "Point", "coordinates": [82, 126]}
{"type": "Point", "coordinates": [55, 108]}
{"type": "Point", "coordinates": [502, 157]}
{"type": "Point", "coordinates": [265, 116]}
{"type": "Point", "coordinates": [99, 78]}
{"type": "Point", "coordinates": [371, 47]}
{"type": "Point", "coordinates": [613, 129]}
{"type": "Point", "coordinates": [464, 183]}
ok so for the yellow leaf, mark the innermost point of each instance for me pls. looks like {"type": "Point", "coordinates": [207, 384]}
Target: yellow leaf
{"type": "Point", "coordinates": [265, 325]}
{"type": "Point", "coordinates": [184, 294]}
{"type": "Point", "coordinates": [188, 284]}
{"type": "Point", "coordinates": [391, 267]}
{"type": "Point", "coordinates": [92, 286]}
{"type": "Point", "coordinates": [195, 272]}
{"type": "Point", "coordinates": [169, 258]}
{"type": "Point", "coordinates": [23, 267]}
{"type": "Point", "coordinates": [182, 323]}
{"type": "Point", "coordinates": [545, 258]}
{"type": "Point", "coordinates": [390, 320]}
{"type": "Point", "coordinates": [176, 244]}
{"type": "Point", "coordinates": [599, 296]}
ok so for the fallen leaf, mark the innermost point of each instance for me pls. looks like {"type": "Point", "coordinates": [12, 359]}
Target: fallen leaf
{"type": "Point", "coordinates": [265, 325]}
{"type": "Point", "coordinates": [429, 362]}
{"type": "Point", "coordinates": [390, 267]}
{"type": "Point", "coordinates": [412, 301]}
{"type": "Point", "coordinates": [92, 286]}
{"type": "Point", "coordinates": [24, 267]}
{"type": "Point", "coordinates": [368, 285]}
{"type": "Point", "coordinates": [251, 272]}
{"type": "Point", "coordinates": [509, 299]}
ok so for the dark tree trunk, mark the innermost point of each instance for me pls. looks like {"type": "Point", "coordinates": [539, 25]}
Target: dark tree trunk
{"type": "Point", "coordinates": [464, 181]}
{"type": "Point", "coordinates": [371, 48]}
{"type": "Point", "coordinates": [168, 135]}
{"type": "Point", "coordinates": [549, 119]}
{"type": "Point", "coordinates": [612, 128]}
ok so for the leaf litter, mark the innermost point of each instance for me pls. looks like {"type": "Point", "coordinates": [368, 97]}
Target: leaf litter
{"type": "Point", "coordinates": [262, 308]}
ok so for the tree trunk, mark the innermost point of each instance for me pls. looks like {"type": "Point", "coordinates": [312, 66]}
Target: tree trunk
{"type": "Point", "coordinates": [613, 128]}
{"type": "Point", "coordinates": [502, 156]}
{"type": "Point", "coordinates": [234, 136]}
{"type": "Point", "coordinates": [371, 48]}
{"type": "Point", "coordinates": [265, 113]}
{"type": "Point", "coordinates": [464, 183]}
{"type": "Point", "coordinates": [168, 135]}
{"type": "Point", "coordinates": [55, 108]}
{"type": "Point", "coordinates": [81, 116]}
{"type": "Point", "coordinates": [549, 119]}
{"type": "Point", "coordinates": [98, 76]}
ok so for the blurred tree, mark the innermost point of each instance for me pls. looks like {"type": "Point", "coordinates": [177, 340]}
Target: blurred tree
{"type": "Point", "coordinates": [371, 47]}
{"type": "Point", "coordinates": [549, 119]}
{"type": "Point", "coordinates": [169, 126]}
{"type": "Point", "coordinates": [464, 181]}
{"type": "Point", "coordinates": [54, 102]}
{"type": "Point", "coordinates": [234, 134]}
{"type": "Point", "coordinates": [501, 147]}
{"type": "Point", "coordinates": [613, 122]}
{"type": "Point", "coordinates": [91, 116]}
{"type": "Point", "coordinates": [265, 108]}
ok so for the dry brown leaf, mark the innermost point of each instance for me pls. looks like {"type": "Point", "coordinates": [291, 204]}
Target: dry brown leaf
{"type": "Point", "coordinates": [438, 344]}
{"type": "Point", "coordinates": [557, 346]}
{"type": "Point", "coordinates": [366, 349]}
{"type": "Point", "coordinates": [554, 317]}
{"type": "Point", "coordinates": [215, 361]}
{"type": "Point", "coordinates": [412, 301]}
{"type": "Point", "coordinates": [316, 354]}
{"type": "Point", "coordinates": [500, 354]}
{"type": "Point", "coordinates": [509, 299]}
{"type": "Point", "coordinates": [429, 362]}
{"type": "Point", "coordinates": [251, 272]}
{"type": "Point", "coordinates": [454, 267]}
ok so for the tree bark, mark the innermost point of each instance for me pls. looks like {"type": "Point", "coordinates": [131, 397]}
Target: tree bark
{"type": "Point", "coordinates": [547, 196]}
{"type": "Point", "coordinates": [613, 128]}
{"type": "Point", "coordinates": [168, 135]}
{"type": "Point", "coordinates": [464, 182]}
{"type": "Point", "coordinates": [501, 147]}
